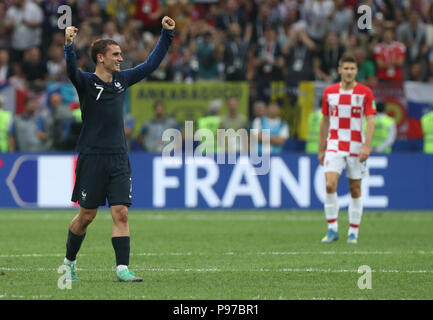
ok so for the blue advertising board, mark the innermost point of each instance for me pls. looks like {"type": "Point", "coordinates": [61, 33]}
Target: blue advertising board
{"type": "Point", "coordinates": [294, 181]}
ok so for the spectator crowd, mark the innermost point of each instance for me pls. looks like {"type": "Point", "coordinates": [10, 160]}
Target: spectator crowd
{"type": "Point", "coordinates": [258, 41]}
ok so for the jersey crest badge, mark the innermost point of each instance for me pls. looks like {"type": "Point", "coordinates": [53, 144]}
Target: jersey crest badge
{"type": "Point", "coordinates": [118, 86]}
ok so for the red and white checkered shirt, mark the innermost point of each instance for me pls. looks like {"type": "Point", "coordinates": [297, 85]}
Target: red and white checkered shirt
{"type": "Point", "coordinates": [346, 110]}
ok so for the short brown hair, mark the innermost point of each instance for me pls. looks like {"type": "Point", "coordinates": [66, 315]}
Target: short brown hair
{"type": "Point", "coordinates": [100, 46]}
{"type": "Point", "coordinates": [347, 57]}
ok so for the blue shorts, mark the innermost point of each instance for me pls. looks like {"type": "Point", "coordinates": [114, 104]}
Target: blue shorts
{"type": "Point", "coordinates": [100, 177]}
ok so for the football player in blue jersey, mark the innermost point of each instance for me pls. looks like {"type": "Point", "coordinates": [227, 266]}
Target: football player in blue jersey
{"type": "Point", "coordinates": [103, 170]}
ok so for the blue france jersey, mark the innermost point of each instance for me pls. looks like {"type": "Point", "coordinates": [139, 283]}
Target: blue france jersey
{"type": "Point", "coordinates": [102, 102]}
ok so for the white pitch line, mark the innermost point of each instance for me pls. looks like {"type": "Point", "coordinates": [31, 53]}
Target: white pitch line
{"type": "Point", "coordinates": [44, 296]}
{"type": "Point", "coordinates": [169, 298]}
{"type": "Point", "coordinates": [31, 255]}
{"type": "Point", "coordinates": [327, 253]}
{"type": "Point", "coordinates": [259, 297]}
{"type": "Point", "coordinates": [169, 254]}
{"type": "Point", "coordinates": [272, 253]}
{"type": "Point", "coordinates": [283, 270]}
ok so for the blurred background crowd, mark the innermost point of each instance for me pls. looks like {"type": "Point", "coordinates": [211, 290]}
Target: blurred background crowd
{"type": "Point", "coordinates": [259, 41]}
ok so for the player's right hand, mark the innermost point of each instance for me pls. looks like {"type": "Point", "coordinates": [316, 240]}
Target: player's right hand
{"type": "Point", "coordinates": [364, 153]}
{"type": "Point", "coordinates": [168, 23]}
{"type": "Point", "coordinates": [70, 34]}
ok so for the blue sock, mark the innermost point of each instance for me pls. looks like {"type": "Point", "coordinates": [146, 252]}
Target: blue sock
{"type": "Point", "coordinates": [121, 247]}
{"type": "Point", "coordinates": [73, 244]}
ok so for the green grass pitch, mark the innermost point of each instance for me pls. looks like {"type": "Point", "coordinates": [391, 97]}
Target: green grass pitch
{"type": "Point", "coordinates": [220, 255]}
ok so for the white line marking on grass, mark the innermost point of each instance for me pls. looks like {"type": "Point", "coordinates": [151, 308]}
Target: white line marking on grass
{"type": "Point", "coordinates": [258, 297]}
{"type": "Point", "coordinates": [31, 255]}
{"type": "Point", "coordinates": [327, 252]}
{"type": "Point", "coordinates": [225, 270]}
{"type": "Point", "coordinates": [168, 254]}
{"type": "Point", "coordinates": [42, 296]}
{"type": "Point", "coordinates": [275, 270]}
{"type": "Point", "coordinates": [230, 253]}
{"type": "Point", "coordinates": [169, 298]}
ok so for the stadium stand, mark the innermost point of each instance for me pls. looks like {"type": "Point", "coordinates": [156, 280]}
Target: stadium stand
{"type": "Point", "coordinates": [261, 42]}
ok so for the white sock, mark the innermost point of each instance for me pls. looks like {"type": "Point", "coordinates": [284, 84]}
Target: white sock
{"type": "Point", "coordinates": [355, 214]}
{"type": "Point", "coordinates": [121, 267]}
{"type": "Point", "coordinates": [331, 210]}
{"type": "Point", "coordinates": [69, 261]}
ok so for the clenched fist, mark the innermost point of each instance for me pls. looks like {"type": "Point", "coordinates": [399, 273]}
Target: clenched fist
{"type": "Point", "coordinates": [168, 23]}
{"type": "Point", "coordinates": [70, 34]}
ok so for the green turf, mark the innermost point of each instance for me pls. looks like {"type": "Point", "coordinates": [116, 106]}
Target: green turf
{"type": "Point", "coordinates": [221, 255]}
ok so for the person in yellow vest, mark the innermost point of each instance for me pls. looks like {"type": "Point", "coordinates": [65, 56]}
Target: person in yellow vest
{"type": "Point", "coordinates": [427, 129]}
{"type": "Point", "coordinates": [312, 144]}
{"type": "Point", "coordinates": [236, 121]}
{"type": "Point", "coordinates": [5, 125]}
{"type": "Point", "coordinates": [212, 122]}
{"type": "Point", "coordinates": [385, 131]}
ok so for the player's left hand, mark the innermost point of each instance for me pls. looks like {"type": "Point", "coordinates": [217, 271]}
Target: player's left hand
{"type": "Point", "coordinates": [364, 153]}
{"type": "Point", "coordinates": [168, 23]}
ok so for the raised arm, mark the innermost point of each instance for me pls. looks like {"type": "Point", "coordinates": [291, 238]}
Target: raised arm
{"type": "Point", "coordinates": [71, 58]}
{"type": "Point", "coordinates": [153, 61]}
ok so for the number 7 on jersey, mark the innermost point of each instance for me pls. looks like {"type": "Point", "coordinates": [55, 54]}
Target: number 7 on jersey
{"type": "Point", "coordinates": [99, 94]}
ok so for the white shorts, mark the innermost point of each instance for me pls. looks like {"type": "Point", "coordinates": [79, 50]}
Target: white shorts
{"type": "Point", "coordinates": [337, 162]}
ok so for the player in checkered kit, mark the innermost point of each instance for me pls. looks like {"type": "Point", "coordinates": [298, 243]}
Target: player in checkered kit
{"type": "Point", "coordinates": [342, 144]}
